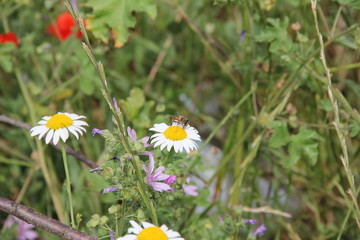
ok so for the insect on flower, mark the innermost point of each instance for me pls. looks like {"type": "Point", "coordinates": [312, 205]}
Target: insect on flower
{"type": "Point", "coordinates": [180, 120]}
{"type": "Point", "coordinates": [179, 135]}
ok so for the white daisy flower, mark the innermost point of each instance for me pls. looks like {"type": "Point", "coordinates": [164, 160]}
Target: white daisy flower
{"type": "Point", "coordinates": [58, 126]}
{"type": "Point", "coordinates": [177, 135]}
{"type": "Point", "coordinates": [150, 232]}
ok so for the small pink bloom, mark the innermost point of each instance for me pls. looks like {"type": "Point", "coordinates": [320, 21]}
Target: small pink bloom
{"type": "Point", "coordinates": [190, 190]}
{"type": "Point", "coordinates": [154, 178]}
{"type": "Point", "coordinates": [25, 231]}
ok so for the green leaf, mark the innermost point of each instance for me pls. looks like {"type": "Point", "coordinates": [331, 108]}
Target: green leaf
{"type": "Point", "coordinates": [294, 154]}
{"type": "Point", "coordinates": [304, 143]}
{"type": "Point", "coordinates": [351, 3]}
{"type": "Point", "coordinates": [354, 128]}
{"type": "Point", "coordinates": [276, 31]}
{"type": "Point", "coordinates": [281, 135]}
{"type": "Point", "coordinates": [6, 56]}
{"type": "Point", "coordinates": [325, 105]}
{"type": "Point", "coordinates": [311, 152]}
{"type": "Point", "coordinates": [117, 15]}
{"type": "Point", "coordinates": [354, 86]}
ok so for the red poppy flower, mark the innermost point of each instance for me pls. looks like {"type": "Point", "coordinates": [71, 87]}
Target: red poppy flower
{"type": "Point", "coordinates": [64, 27]}
{"type": "Point", "coordinates": [9, 37]}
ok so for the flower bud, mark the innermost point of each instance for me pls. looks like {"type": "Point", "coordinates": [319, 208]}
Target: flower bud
{"type": "Point", "coordinates": [139, 147]}
{"type": "Point", "coordinates": [94, 221]}
{"type": "Point", "coordinates": [103, 220]}
{"type": "Point", "coordinates": [108, 173]}
{"type": "Point", "coordinates": [114, 209]}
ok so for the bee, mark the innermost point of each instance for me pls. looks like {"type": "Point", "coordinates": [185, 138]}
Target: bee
{"type": "Point", "coordinates": [180, 120]}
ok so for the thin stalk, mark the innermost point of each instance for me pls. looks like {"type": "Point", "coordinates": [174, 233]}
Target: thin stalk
{"type": "Point", "coordinates": [345, 158]}
{"type": "Point", "coordinates": [166, 159]}
{"type": "Point", "coordinates": [335, 21]}
{"type": "Point", "coordinates": [68, 184]}
{"type": "Point", "coordinates": [221, 124]}
{"type": "Point", "coordinates": [117, 114]}
{"type": "Point", "coordinates": [52, 183]}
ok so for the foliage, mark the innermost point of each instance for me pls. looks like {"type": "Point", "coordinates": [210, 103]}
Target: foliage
{"type": "Point", "coordinates": [275, 156]}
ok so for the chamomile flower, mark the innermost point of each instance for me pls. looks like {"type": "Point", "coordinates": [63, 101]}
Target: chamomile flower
{"type": "Point", "coordinates": [58, 126]}
{"type": "Point", "coordinates": [177, 135]}
{"type": "Point", "coordinates": [150, 232]}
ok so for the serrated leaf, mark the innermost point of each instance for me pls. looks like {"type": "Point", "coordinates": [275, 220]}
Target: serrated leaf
{"type": "Point", "coordinates": [307, 134]}
{"type": "Point", "coordinates": [277, 30]}
{"type": "Point", "coordinates": [281, 135]}
{"type": "Point", "coordinates": [311, 152]}
{"type": "Point", "coordinates": [304, 143]}
{"type": "Point", "coordinates": [294, 154]}
{"type": "Point", "coordinates": [117, 15]}
{"type": "Point", "coordinates": [134, 102]}
{"type": "Point", "coordinates": [325, 105]}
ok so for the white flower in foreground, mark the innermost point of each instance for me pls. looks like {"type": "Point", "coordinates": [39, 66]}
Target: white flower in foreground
{"type": "Point", "coordinates": [177, 135]}
{"type": "Point", "coordinates": [150, 232]}
{"type": "Point", "coordinates": [58, 126]}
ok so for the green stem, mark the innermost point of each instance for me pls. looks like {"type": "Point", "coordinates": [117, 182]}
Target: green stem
{"type": "Point", "coordinates": [142, 190]}
{"type": "Point", "coordinates": [48, 172]}
{"type": "Point", "coordinates": [68, 184]}
{"type": "Point", "coordinates": [166, 159]}
{"type": "Point", "coordinates": [221, 124]}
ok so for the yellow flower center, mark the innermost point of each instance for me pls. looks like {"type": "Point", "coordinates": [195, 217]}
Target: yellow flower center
{"type": "Point", "coordinates": [175, 133]}
{"type": "Point", "coordinates": [152, 233]}
{"type": "Point", "coordinates": [59, 121]}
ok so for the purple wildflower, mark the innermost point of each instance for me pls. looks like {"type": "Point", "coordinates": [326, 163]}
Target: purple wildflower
{"type": "Point", "coordinates": [25, 231]}
{"type": "Point", "coordinates": [74, 5]}
{"type": "Point", "coordinates": [97, 131]}
{"type": "Point", "coordinates": [220, 219]}
{"type": "Point", "coordinates": [115, 104]}
{"type": "Point", "coordinates": [250, 221]}
{"type": "Point", "coordinates": [154, 178]}
{"type": "Point", "coordinates": [170, 180]}
{"type": "Point", "coordinates": [133, 136]}
{"type": "Point", "coordinates": [112, 235]}
{"type": "Point", "coordinates": [242, 35]}
{"type": "Point", "coordinates": [190, 190]}
{"type": "Point", "coordinates": [260, 231]}
{"type": "Point", "coordinates": [110, 189]}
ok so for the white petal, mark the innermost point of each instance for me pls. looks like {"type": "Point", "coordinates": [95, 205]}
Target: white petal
{"type": "Point", "coordinates": [128, 237]}
{"type": "Point", "coordinates": [172, 234]}
{"type": "Point", "coordinates": [44, 132]}
{"type": "Point", "coordinates": [37, 130]}
{"type": "Point", "coordinates": [186, 147]}
{"type": "Point", "coordinates": [169, 147]}
{"type": "Point", "coordinates": [73, 131]}
{"type": "Point", "coordinates": [56, 136]}
{"type": "Point", "coordinates": [146, 224]}
{"type": "Point", "coordinates": [80, 123]}
{"type": "Point", "coordinates": [46, 118]}
{"type": "Point", "coordinates": [49, 136]}
{"type": "Point", "coordinates": [136, 227]}
{"type": "Point", "coordinates": [176, 146]}
{"type": "Point", "coordinates": [78, 129]}
{"type": "Point", "coordinates": [164, 228]}
{"type": "Point", "coordinates": [64, 134]}
{"type": "Point", "coordinates": [157, 143]}
{"type": "Point", "coordinates": [165, 144]}
{"type": "Point", "coordinates": [157, 135]}
{"type": "Point", "coordinates": [42, 122]}
{"type": "Point", "coordinates": [74, 116]}
{"type": "Point", "coordinates": [160, 127]}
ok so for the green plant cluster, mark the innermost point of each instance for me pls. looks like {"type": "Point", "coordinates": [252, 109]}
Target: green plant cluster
{"type": "Point", "coordinates": [273, 86]}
